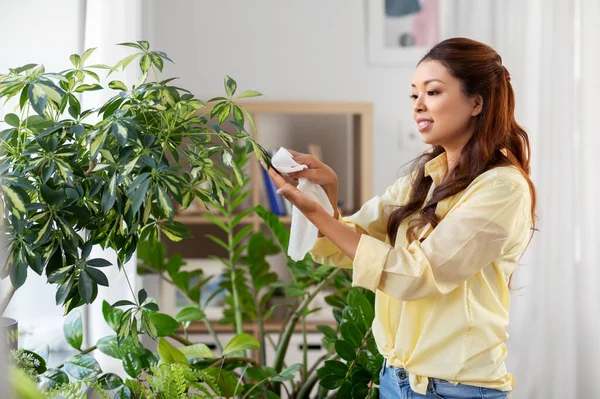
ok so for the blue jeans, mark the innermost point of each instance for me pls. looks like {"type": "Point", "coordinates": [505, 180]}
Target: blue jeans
{"type": "Point", "coordinates": [393, 384]}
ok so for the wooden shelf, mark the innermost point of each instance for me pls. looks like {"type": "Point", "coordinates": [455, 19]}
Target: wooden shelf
{"type": "Point", "coordinates": [269, 326]}
{"type": "Point", "coordinates": [196, 218]}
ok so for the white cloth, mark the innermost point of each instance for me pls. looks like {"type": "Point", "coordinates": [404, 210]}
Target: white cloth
{"type": "Point", "coordinates": [303, 233]}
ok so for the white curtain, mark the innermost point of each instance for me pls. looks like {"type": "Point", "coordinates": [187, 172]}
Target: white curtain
{"type": "Point", "coordinates": [552, 49]}
{"type": "Point", "coordinates": [108, 22]}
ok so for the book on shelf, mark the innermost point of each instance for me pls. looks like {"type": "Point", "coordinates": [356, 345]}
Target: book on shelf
{"type": "Point", "coordinates": [276, 201]}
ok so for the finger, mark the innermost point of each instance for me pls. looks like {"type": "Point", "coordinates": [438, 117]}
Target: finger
{"type": "Point", "coordinates": [294, 153]}
{"type": "Point", "coordinates": [278, 179]}
{"type": "Point", "coordinates": [310, 174]}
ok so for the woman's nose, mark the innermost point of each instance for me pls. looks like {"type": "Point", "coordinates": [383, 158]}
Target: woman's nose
{"type": "Point", "coordinates": [419, 104]}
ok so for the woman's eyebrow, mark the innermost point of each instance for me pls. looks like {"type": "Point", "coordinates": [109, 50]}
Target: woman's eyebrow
{"type": "Point", "coordinates": [428, 81]}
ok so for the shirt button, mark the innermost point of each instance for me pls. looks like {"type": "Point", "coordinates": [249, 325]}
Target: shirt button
{"type": "Point", "coordinates": [402, 375]}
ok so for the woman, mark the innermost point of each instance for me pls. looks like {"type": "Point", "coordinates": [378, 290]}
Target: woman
{"type": "Point", "coordinates": [440, 245]}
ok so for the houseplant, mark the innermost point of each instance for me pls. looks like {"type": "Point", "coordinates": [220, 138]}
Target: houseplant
{"type": "Point", "coordinates": [73, 177]}
{"type": "Point", "coordinates": [69, 182]}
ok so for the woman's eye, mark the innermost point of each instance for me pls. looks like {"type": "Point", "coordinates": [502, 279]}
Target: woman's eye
{"type": "Point", "coordinates": [432, 93]}
{"type": "Point", "coordinates": [413, 96]}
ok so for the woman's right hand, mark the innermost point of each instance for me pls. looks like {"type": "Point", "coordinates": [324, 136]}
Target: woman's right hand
{"type": "Point", "coordinates": [317, 172]}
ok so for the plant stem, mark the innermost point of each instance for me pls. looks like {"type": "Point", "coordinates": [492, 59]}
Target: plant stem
{"type": "Point", "coordinates": [181, 339]}
{"type": "Point", "coordinates": [289, 328]}
{"type": "Point", "coordinates": [304, 350]}
{"type": "Point", "coordinates": [10, 292]}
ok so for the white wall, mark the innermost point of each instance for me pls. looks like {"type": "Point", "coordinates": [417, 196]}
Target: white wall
{"type": "Point", "coordinates": [288, 50]}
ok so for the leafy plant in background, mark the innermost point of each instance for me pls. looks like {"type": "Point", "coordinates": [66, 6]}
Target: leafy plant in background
{"type": "Point", "coordinates": [111, 176]}
{"type": "Point", "coordinates": [249, 278]}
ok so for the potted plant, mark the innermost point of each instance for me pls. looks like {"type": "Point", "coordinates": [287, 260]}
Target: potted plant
{"type": "Point", "coordinates": [73, 177]}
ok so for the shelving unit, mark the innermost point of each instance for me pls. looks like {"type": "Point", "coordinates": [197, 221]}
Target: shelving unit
{"type": "Point", "coordinates": [344, 132]}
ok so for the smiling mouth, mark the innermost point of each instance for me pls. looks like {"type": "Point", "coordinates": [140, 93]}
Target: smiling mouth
{"type": "Point", "coordinates": [424, 125]}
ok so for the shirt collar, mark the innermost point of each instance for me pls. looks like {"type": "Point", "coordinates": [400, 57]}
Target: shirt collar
{"type": "Point", "coordinates": [437, 168]}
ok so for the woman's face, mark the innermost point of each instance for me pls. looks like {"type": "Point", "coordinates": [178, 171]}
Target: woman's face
{"type": "Point", "coordinates": [444, 115]}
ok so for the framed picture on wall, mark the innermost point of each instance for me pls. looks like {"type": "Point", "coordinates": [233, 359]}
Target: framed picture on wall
{"type": "Point", "coordinates": [400, 32]}
{"type": "Point", "coordinates": [172, 300]}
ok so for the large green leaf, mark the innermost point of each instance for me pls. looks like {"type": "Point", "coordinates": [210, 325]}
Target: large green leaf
{"type": "Point", "coordinates": [351, 333]}
{"type": "Point", "coordinates": [132, 364]}
{"type": "Point", "coordinates": [53, 378]}
{"type": "Point", "coordinates": [73, 329]}
{"type": "Point", "coordinates": [190, 313]}
{"type": "Point", "coordinates": [240, 342]}
{"type": "Point", "coordinates": [170, 354]}
{"type": "Point", "coordinates": [197, 351]}
{"type": "Point", "coordinates": [82, 367]}
{"type": "Point", "coordinates": [37, 97]}
{"type": "Point", "coordinates": [165, 324]}
{"type": "Point", "coordinates": [345, 350]}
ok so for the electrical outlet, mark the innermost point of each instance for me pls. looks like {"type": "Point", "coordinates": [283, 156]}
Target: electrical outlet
{"type": "Point", "coordinates": [409, 137]}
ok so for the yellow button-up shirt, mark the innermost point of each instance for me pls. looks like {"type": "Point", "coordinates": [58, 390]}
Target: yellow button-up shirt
{"type": "Point", "coordinates": [442, 304]}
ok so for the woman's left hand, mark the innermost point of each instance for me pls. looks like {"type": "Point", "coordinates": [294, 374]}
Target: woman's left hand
{"type": "Point", "coordinates": [303, 202]}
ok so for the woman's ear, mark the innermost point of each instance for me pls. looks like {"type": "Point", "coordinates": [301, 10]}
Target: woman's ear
{"type": "Point", "coordinates": [477, 105]}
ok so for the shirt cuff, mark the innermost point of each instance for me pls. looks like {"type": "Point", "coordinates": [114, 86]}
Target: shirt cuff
{"type": "Point", "coordinates": [323, 246]}
{"type": "Point", "coordinates": [369, 261]}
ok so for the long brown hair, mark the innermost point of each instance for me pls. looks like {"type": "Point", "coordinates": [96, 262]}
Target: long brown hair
{"type": "Point", "coordinates": [479, 69]}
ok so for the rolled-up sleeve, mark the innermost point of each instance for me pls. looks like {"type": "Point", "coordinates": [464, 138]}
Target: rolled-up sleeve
{"type": "Point", "coordinates": [477, 231]}
{"type": "Point", "coordinates": [371, 219]}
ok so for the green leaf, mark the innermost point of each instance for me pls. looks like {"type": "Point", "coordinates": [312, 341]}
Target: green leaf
{"type": "Point", "coordinates": [110, 381]}
{"type": "Point", "coordinates": [14, 199]}
{"type": "Point", "coordinates": [332, 381]}
{"type": "Point", "coordinates": [132, 364]}
{"type": "Point", "coordinates": [87, 53]}
{"type": "Point", "coordinates": [360, 390]}
{"type": "Point", "coordinates": [123, 393]}
{"type": "Point", "coordinates": [345, 390]}
{"type": "Point", "coordinates": [293, 291]}
{"type": "Point", "coordinates": [164, 202]}
{"type": "Point", "coordinates": [97, 276]}
{"type": "Point", "coordinates": [239, 343]}
{"type": "Point", "coordinates": [53, 378]}
{"type": "Point", "coordinates": [73, 329]}
{"type": "Point", "coordinates": [109, 196]}
{"type": "Point", "coordinates": [336, 367]}
{"type": "Point", "coordinates": [75, 60]}
{"type": "Point", "coordinates": [41, 362]}
{"type": "Point", "coordinates": [327, 331]}
{"type": "Point", "coordinates": [170, 354]}
{"type": "Point", "coordinates": [345, 350]}
{"type": "Point", "coordinates": [86, 87]}
{"type": "Point", "coordinates": [360, 302]}
{"type": "Point", "coordinates": [165, 324]}
{"type": "Point", "coordinates": [98, 262]}
{"type": "Point", "coordinates": [82, 367]}
{"type": "Point", "coordinates": [120, 133]}
{"type": "Point", "coordinates": [351, 333]}
{"type": "Point", "coordinates": [223, 382]}
{"type": "Point", "coordinates": [145, 63]}
{"type": "Point", "coordinates": [230, 86]}
{"type": "Point", "coordinates": [85, 287]}
{"type": "Point", "coordinates": [117, 85]}
{"type": "Point", "coordinates": [190, 313]}
{"type": "Point", "coordinates": [37, 97]}
{"type": "Point", "coordinates": [249, 93]}
{"type": "Point", "coordinates": [176, 231]}
{"type": "Point", "coordinates": [112, 316]}
{"type": "Point", "coordinates": [12, 120]}
{"type": "Point", "coordinates": [288, 373]}
{"type": "Point", "coordinates": [197, 351]}
{"type": "Point", "coordinates": [157, 61]}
